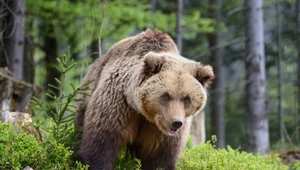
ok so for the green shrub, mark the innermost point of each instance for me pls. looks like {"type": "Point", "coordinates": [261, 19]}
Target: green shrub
{"type": "Point", "coordinates": [57, 119]}
{"type": "Point", "coordinates": [19, 149]}
{"type": "Point", "coordinates": [296, 165]}
{"type": "Point", "coordinates": [206, 157]}
{"type": "Point", "coordinates": [127, 161]}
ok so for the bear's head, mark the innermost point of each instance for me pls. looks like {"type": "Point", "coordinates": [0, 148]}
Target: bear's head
{"type": "Point", "coordinates": [172, 88]}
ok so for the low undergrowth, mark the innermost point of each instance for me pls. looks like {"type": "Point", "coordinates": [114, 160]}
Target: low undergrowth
{"type": "Point", "coordinates": [207, 157]}
{"type": "Point", "coordinates": [55, 146]}
{"type": "Point", "coordinates": [19, 149]}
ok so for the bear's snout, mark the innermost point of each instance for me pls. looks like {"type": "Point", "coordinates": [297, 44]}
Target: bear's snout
{"type": "Point", "coordinates": [176, 123]}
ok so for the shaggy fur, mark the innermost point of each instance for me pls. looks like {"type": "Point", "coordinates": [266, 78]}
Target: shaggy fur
{"type": "Point", "coordinates": [140, 86]}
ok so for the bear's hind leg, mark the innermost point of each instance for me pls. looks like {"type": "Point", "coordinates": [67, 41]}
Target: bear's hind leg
{"type": "Point", "coordinates": [100, 150]}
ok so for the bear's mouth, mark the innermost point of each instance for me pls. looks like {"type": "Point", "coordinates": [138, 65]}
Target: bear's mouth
{"type": "Point", "coordinates": [173, 131]}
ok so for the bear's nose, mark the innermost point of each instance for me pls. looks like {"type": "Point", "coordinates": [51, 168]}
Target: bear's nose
{"type": "Point", "coordinates": [176, 123]}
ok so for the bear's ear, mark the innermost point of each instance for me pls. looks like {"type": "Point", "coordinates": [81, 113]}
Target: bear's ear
{"type": "Point", "coordinates": [153, 63]}
{"type": "Point", "coordinates": [204, 75]}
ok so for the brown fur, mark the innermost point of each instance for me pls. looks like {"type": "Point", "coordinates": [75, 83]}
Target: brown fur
{"type": "Point", "coordinates": [129, 106]}
{"type": "Point", "coordinates": [147, 41]}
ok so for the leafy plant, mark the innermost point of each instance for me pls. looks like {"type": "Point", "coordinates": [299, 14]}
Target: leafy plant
{"type": "Point", "coordinates": [56, 130]}
{"type": "Point", "coordinates": [127, 161]}
{"type": "Point", "coordinates": [19, 149]}
{"type": "Point", "coordinates": [296, 165]}
{"type": "Point", "coordinates": [207, 157]}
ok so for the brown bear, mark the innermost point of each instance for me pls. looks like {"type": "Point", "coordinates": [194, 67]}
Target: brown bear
{"type": "Point", "coordinates": [143, 97]}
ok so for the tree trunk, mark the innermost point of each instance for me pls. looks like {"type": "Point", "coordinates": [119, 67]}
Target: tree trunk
{"type": "Point", "coordinates": [217, 92]}
{"type": "Point", "coordinates": [29, 67]}
{"type": "Point", "coordinates": [94, 48]}
{"type": "Point", "coordinates": [6, 90]}
{"type": "Point", "coordinates": [257, 119]}
{"type": "Point", "coordinates": [12, 53]}
{"type": "Point", "coordinates": [15, 94]}
{"type": "Point", "coordinates": [153, 6]}
{"type": "Point", "coordinates": [298, 69]}
{"type": "Point", "coordinates": [50, 48]}
{"type": "Point", "coordinates": [14, 41]}
{"type": "Point", "coordinates": [3, 56]}
{"type": "Point", "coordinates": [178, 25]}
{"type": "Point", "coordinates": [153, 9]}
{"type": "Point", "coordinates": [280, 52]}
{"type": "Point", "coordinates": [198, 129]}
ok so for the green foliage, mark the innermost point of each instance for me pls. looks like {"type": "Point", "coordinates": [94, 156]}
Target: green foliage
{"type": "Point", "coordinates": [59, 121]}
{"type": "Point", "coordinates": [206, 157]}
{"type": "Point", "coordinates": [55, 150]}
{"type": "Point", "coordinates": [19, 149]}
{"type": "Point", "coordinates": [296, 165]}
{"type": "Point", "coordinates": [78, 22]}
{"type": "Point", "coordinates": [127, 161]}
{"type": "Point", "coordinates": [189, 143]}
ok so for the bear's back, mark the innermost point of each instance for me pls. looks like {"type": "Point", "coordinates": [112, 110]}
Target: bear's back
{"type": "Point", "coordinates": [139, 45]}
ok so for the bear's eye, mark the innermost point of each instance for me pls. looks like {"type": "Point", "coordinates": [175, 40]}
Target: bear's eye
{"type": "Point", "coordinates": [166, 96]}
{"type": "Point", "coordinates": [187, 100]}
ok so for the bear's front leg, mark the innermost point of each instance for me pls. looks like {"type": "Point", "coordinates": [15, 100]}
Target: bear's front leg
{"type": "Point", "coordinates": [165, 157]}
{"type": "Point", "coordinates": [100, 149]}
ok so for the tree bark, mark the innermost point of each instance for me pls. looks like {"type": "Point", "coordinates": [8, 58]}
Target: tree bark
{"type": "Point", "coordinates": [6, 89]}
{"type": "Point", "coordinates": [50, 48]}
{"type": "Point", "coordinates": [217, 92]}
{"type": "Point", "coordinates": [280, 52]}
{"type": "Point", "coordinates": [153, 9]}
{"type": "Point", "coordinates": [15, 94]}
{"type": "Point", "coordinates": [298, 69]}
{"type": "Point", "coordinates": [153, 6]}
{"type": "Point", "coordinates": [257, 119]}
{"type": "Point", "coordinates": [198, 129]}
{"type": "Point", "coordinates": [179, 25]}
{"type": "Point", "coordinates": [29, 67]}
{"type": "Point", "coordinates": [14, 43]}
{"type": "Point", "coordinates": [4, 13]}
{"type": "Point", "coordinates": [94, 48]}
